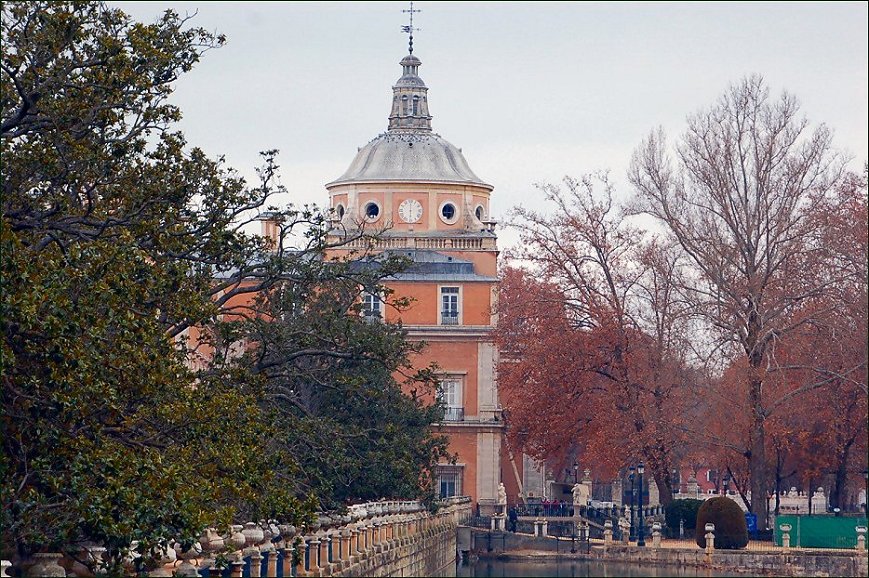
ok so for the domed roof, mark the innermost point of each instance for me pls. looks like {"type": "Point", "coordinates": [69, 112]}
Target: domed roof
{"type": "Point", "coordinates": [409, 150]}
{"type": "Point", "coordinates": [409, 155]}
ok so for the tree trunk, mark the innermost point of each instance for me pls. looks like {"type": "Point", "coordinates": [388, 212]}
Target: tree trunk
{"type": "Point", "coordinates": [778, 466]}
{"type": "Point", "coordinates": [837, 493]}
{"type": "Point", "coordinates": [665, 487]}
{"type": "Point", "coordinates": [757, 460]}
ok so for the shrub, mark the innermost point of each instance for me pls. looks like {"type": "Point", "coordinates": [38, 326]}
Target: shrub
{"type": "Point", "coordinates": [685, 510]}
{"type": "Point", "coordinates": [731, 533]}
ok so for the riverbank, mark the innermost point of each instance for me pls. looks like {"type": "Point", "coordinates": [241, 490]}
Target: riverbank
{"type": "Point", "coordinates": [504, 546]}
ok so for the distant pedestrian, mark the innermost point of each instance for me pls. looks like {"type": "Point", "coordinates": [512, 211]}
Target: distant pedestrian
{"type": "Point", "coordinates": [513, 517]}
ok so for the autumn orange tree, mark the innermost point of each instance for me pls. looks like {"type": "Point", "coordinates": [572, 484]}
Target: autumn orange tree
{"type": "Point", "coordinates": [592, 334]}
{"type": "Point", "coordinates": [738, 192]}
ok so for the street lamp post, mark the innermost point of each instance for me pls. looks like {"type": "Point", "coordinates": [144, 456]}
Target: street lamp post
{"type": "Point", "coordinates": [726, 482]}
{"type": "Point", "coordinates": [641, 542]}
{"type": "Point", "coordinates": [575, 473]}
{"type": "Point", "coordinates": [675, 483]}
{"type": "Point", "coordinates": [631, 478]}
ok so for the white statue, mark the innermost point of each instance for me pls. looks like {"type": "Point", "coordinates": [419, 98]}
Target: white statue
{"type": "Point", "coordinates": [625, 527]}
{"type": "Point", "coordinates": [581, 495]}
{"type": "Point", "coordinates": [502, 494]}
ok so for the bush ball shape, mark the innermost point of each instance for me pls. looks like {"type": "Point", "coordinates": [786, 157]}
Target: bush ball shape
{"type": "Point", "coordinates": [731, 533]}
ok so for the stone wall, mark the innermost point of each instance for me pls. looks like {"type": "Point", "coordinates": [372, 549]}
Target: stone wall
{"type": "Point", "coordinates": [383, 538]}
{"type": "Point", "coordinates": [793, 563]}
{"type": "Point", "coordinates": [484, 544]}
{"type": "Point", "coordinates": [426, 546]}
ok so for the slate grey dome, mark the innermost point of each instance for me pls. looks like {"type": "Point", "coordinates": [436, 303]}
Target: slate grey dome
{"type": "Point", "coordinates": [409, 155]}
{"type": "Point", "coordinates": [409, 150]}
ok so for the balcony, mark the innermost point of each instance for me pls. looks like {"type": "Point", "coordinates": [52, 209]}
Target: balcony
{"type": "Point", "coordinates": [454, 414]}
{"type": "Point", "coordinates": [450, 318]}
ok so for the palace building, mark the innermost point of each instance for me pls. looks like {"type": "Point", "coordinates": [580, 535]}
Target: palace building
{"type": "Point", "coordinates": [416, 190]}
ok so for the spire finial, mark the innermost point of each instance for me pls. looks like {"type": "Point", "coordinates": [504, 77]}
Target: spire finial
{"type": "Point", "coordinates": [409, 29]}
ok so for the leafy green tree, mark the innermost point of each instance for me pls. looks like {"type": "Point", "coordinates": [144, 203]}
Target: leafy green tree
{"type": "Point", "coordinates": [112, 232]}
{"type": "Point", "coordinates": [333, 380]}
{"type": "Point", "coordinates": [120, 245]}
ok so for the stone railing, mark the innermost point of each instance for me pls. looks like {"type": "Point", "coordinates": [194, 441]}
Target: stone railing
{"type": "Point", "coordinates": [445, 243]}
{"type": "Point", "coordinates": [331, 545]}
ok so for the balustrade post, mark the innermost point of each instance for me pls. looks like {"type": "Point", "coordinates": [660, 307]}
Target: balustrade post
{"type": "Point", "coordinates": [236, 567]}
{"type": "Point", "coordinates": [253, 537]}
{"type": "Point", "coordinates": [861, 539]}
{"type": "Point", "coordinates": [354, 541]}
{"type": "Point", "coordinates": [344, 549]}
{"type": "Point", "coordinates": [271, 559]}
{"type": "Point", "coordinates": [314, 555]}
{"type": "Point", "coordinates": [322, 549]}
{"type": "Point", "coordinates": [785, 536]}
{"type": "Point", "coordinates": [710, 539]}
{"type": "Point", "coordinates": [363, 538]}
{"type": "Point", "coordinates": [302, 560]}
{"type": "Point", "coordinates": [286, 560]}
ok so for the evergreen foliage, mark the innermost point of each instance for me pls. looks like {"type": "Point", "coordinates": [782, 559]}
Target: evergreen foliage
{"type": "Point", "coordinates": [731, 531]}
{"type": "Point", "coordinates": [685, 510]}
{"type": "Point", "coordinates": [120, 246]}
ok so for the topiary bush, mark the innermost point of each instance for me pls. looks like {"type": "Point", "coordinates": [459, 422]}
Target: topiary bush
{"type": "Point", "coordinates": [685, 510]}
{"type": "Point", "coordinates": [731, 532]}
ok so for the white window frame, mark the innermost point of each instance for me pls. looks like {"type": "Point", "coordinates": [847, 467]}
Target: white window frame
{"type": "Point", "coordinates": [454, 472]}
{"type": "Point", "coordinates": [375, 298]}
{"type": "Point", "coordinates": [457, 393]}
{"type": "Point", "coordinates": [455, 213]}
{"type": "Point", "coordinates": [459, 307]}
{"type": "Point", "coordinates": [482, 210]}
{"type": "Point", "coordinates": [365, 211]}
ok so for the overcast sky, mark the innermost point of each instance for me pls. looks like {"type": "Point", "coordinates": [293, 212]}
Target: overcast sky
{"type": "Point", "coordinates": [530, 91]}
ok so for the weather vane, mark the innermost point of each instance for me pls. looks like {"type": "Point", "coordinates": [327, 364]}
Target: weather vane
{"type": "Point", "coordinates": [409, 29]}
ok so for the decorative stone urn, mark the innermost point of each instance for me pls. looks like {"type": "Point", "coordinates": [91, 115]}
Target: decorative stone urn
{"type": "Point", "coordinates": [237, 538]}
{"type": "Point", "coordinates": [159, 559]}
{"type": "Point", "coordinates": [253, 534]}
{"type": "Point", "coordinates": [47, 564]}
{"type": "Point", "coordinates": [187, 568]}
{"type": "Point", "coordinates": [211, 541]}
{"type": "Point", "coordinates": [288, 532]}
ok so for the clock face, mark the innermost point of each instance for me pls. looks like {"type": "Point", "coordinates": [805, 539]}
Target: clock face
{"type": "Point", "coordinates": [410, 211]}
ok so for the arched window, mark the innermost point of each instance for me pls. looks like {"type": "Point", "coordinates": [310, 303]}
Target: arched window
{"type": "Point", "coordinates": [415, 105]}
{"type": "Point", "coordinates": [405, 105]}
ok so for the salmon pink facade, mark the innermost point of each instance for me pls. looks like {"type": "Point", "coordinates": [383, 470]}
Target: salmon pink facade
{"type": "Point", "coordinates": [411, 193]}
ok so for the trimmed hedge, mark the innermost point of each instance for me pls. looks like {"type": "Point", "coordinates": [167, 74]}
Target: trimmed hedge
{"type": "Point", "coordinates": [682, 510]}
{"type": "Point", "coordinates": [731, 532]}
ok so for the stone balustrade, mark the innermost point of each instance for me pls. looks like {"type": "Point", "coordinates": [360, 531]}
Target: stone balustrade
{"type": "Point", "coordinates": [332, 545]}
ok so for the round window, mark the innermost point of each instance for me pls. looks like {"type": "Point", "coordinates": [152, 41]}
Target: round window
{"type": "Point", "coordinates": [448, 212]}
{"type": "Point", "coordinates": [372, 211]}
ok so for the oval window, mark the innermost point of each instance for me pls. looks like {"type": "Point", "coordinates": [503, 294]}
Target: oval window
{"type": "Point", "coordinates": [448, 211]}
{"type": "Point", "coordinates": [372, 211]}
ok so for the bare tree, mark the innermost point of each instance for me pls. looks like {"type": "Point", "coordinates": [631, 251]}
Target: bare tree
{"type": "Point", "coordinates": [737, 193]}
{"type": "Point", "coordinates": [610, 337]}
